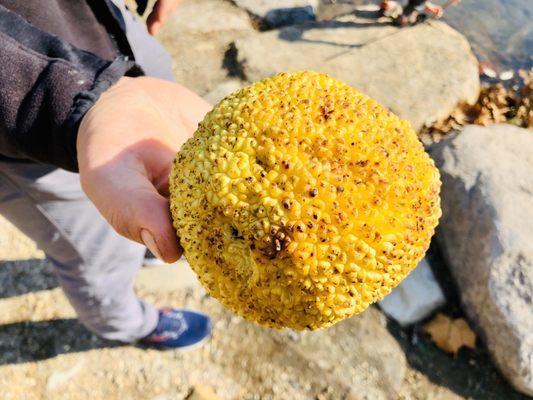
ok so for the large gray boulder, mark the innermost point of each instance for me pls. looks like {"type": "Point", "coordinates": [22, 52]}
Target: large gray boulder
{"type": "Point", "coordinates": [420, 73]}
{"type": "Point", "coordinates": [198, 37]}
{"type": "Point", "coordinates": [486, 232]}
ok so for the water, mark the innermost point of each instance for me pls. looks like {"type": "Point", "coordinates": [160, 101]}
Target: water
{"type": "Point", "coordinates": [500, 31]}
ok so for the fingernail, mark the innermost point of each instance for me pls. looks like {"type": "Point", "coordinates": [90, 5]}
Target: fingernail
{"type": "Point", "coordinates": [149, 242]}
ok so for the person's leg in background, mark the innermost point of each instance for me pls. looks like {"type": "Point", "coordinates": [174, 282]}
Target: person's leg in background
{"type": "Point", "coordinates": [148, 52]}
{"type": "Point", "coordinates": [94, 265]}
{"type": "Point", "coordinates": [412, 6]}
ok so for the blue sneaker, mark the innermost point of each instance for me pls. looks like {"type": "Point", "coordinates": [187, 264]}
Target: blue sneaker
{"type": "Point", "coordinates": [179, 329]}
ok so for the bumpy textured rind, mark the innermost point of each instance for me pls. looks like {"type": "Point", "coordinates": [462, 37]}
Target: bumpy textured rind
{"type": "Point", "coordinates": [300, 201]}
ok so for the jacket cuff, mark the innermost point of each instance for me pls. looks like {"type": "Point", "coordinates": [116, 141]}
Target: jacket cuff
{"type": "Point", "coordinates": [105, 78]}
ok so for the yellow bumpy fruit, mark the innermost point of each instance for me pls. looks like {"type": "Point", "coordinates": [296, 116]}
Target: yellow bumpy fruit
{"type": "Point", "coordinates": [300, 201]}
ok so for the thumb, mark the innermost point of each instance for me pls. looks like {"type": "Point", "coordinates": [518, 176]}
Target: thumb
{"type": "Point", "coordinates": [155, 229]}
{"type": "Point", "coordinates": [157, 17]}
{"type": "Point", "coordinates": [146, 219]}
{"type": "Point", "coordinates": [153, 22]}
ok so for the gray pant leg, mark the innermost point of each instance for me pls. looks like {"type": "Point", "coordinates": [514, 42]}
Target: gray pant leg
{"type": "Point", "coordinates": [94, 265]}
{"type": "Point", "coordinates": [412, 6]}
{"type": "Point", "coordinates": [148, 52]}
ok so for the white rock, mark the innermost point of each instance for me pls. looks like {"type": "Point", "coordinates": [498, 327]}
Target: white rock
{"type": "Point", "coordinates": [415, 298]}
{"type": "Point", "coordinates": [486, 232]}
{"type": "Point", "coordinates": [58, 378]}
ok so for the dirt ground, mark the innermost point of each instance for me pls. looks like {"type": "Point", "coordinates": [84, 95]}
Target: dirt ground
{"type": "Point", "coordinates": [46, 354]}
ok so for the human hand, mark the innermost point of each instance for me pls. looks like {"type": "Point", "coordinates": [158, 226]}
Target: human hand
{"type": "Point", "coordinates": [161, 12]}
{"type": "Point", "coordinates": [126, 144]}
{"type": "Point", "coordinates": [434, 9]}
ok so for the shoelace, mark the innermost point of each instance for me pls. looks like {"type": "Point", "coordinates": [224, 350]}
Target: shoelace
{"type": "Point", "coordinates": [174, 334]}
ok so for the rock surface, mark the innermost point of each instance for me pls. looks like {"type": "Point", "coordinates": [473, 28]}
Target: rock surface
{"type": "Point", "coordinates": [222, 90]}
{"type": "Point", "coordinates": [420, 73]}
{"type": "Point", "coordinates": [329, 9]}
{"type": "Point", "coordinates": [415, 298]}
{"type": "Point", "coordinates": [486, 232]}
{"type": "Point", "coordinates": [278, 13]}
{"type": "Point", "coordinates": [198, 36]}
{"type": "Point", "coordinates": [375, 366]}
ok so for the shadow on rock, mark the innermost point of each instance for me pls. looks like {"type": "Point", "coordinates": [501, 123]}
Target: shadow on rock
{"type": "Point", "coordinates": [289, 16]}
{"type": "Point", "coordinates": [39, 340]}
{"type": "Point", "coordinates": [367, 14]}
{"type": "Point", "coordinates": [296, 33]}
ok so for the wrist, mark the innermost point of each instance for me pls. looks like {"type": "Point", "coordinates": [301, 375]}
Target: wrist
{"type": "Point", "coordinates": [89, 122]}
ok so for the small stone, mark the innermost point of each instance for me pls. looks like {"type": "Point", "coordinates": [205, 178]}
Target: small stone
{"type": "Point", "coordinates": [58, 378]}
{"type": "Point", "coordinates": [415, 298]}
{"type": "Point", "coordinates": [202, 392]}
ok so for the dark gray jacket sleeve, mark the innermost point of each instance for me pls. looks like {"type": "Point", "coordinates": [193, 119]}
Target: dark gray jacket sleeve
{"type": "Point", "coordinates": [46, 87]}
